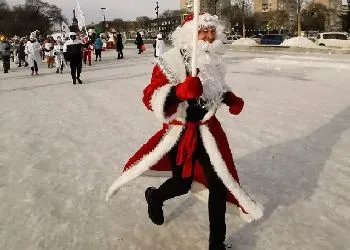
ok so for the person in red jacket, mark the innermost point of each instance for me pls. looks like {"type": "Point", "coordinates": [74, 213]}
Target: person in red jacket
{"type": "Point", "coordinates": [88, 48]}
{"type": "Point", "coordinates": [192, 146]}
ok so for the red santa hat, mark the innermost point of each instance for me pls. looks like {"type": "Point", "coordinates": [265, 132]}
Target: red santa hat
{"type": "Point", "coordinates": [182, 36]}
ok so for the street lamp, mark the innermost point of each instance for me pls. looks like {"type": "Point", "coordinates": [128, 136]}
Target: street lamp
{"type": "Point", "coordinates": [157, 12]}
{"type": "Point", "coordinates": [104, 18]}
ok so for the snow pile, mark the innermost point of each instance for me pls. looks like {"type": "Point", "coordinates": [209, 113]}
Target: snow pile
{"type": "Point", "coordinates": [245, 42]}
{"type": "Point", "coordinates": [301, 42]}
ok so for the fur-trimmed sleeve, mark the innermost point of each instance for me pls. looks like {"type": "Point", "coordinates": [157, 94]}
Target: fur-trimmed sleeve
{"type": "Point", "coordinates": [159, 96]}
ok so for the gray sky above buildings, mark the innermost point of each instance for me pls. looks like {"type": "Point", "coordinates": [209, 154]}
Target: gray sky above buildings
{"type": "Point", "coordinates": [125, 9]}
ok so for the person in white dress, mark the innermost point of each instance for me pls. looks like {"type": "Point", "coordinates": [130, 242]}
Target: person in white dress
{"type": "Point", "coordinates": [160, 45]}
{"type": "Point", "coordinates": [33, 49]}
{"type": "Point", "coordinates": [59, 58]}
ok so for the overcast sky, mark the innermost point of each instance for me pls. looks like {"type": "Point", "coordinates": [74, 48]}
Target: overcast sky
{"type": "Point", "coordinates": [125, 9]}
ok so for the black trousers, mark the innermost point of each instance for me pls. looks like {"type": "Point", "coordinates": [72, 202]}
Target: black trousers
{"type": "Point", "coordinates": [75, 68]}
{"type": "Point", "coordinates": [98, 53]}
{"type": "Point", "coordinates": [6, 63]}
{"type": "Point", "coordinates": [176, 186]}
{"type": "Point", "coordinates": [35, 67]}
{"type": "Point", "coordinates": [22, 60]}
{"type": "Point", "coordinates": [120, 54]}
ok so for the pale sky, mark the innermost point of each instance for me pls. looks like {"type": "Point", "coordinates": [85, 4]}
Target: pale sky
{"type": "Point", "coordinates": [125, 9]}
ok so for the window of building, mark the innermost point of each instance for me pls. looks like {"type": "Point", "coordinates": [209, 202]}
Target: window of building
{"type": "Point", "coordinates": [264, 4]}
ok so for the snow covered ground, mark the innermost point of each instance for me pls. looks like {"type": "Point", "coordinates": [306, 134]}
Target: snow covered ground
{"type": "Point", "coordinates": [61, 146]}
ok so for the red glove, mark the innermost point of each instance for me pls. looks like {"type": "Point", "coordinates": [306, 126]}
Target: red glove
{"type": "Point", "coordinates": [234, 102]}
{"type": "Point", "coordinates": [191, 88]}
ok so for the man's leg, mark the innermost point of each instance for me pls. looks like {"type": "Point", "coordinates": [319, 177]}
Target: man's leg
{"type": "Point", "coordinates": [216, 203]}
{"type": "Point", "coordinates": [89, 57]}
{"type": "Point", "coordinates": [36, 67]}
{"type": "Point", "coordinates": [73, 68]}
{"type": "Point", "coordinates": [173, 187]}
{"type": "Point", "coordinates": [7, 60]}
{"type": "Point", "coordinates": [79, 67]}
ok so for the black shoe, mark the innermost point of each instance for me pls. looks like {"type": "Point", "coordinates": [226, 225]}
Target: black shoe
{"type": "Point", "coordinates": [32, 73]}
{"type": "Point", "coordinates": [5, 72]}
{"type": "Point", "coordinates": [36, 73]}
{"type": "Point", "coordinates": [155, 210]}
{"type": "Point", "coordinates": [26, 65]}
{"type": "Point", "coordinates": [79, 81]}
{"type": "Point", "coordinates": [57, 71]}
{"type": "Point", "coordinates": [74, 81]}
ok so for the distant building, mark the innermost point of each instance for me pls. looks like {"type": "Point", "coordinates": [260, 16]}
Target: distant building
{"type": "Point", "coordinates": [166, 26]}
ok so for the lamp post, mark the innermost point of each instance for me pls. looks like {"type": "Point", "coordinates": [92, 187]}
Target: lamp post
{"type": "Point", "coordinates": [157, 12]}
{"type": "Point", "coordinates": [104, 19]}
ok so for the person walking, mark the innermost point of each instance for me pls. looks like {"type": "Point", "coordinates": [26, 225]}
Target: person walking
{"type": "Point", "coordinates": [59, 59]}
{"type": "Point", "coordinates": [139, 42]}
{"type": "Point", "coordinates": [120, 46]}
{"type": "Point", "coordinates": [22, 53]}
{"type": "Point", "coordinates": [88, 48]}
{"type": "Point", "coordinates": [160, 45]}
{"type": "Point", "coordinates": [191, 146]}
{"type": "Point", "coordinates": [73, 52]}
{"type": "Point", "coordinates": [5, 50]}
{"type": "Point", "coordinates": [33, 49]}
{"type": "Point", "coordinates": [98, 47]}
{"type": "Point", "coordinates": [49, 46]}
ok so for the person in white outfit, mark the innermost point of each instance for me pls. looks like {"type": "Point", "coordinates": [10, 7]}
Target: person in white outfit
{"type": "Point", "coordinates": [59, 58]}
{"type": "Point", "coordinates": [33, 49]}
{"type": "Point", "coordinates": [160, 45]}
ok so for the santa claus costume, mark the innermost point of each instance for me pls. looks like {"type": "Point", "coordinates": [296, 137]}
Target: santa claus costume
{"type": "Point", "coordinates": [88, 48]}
{"type": "Point", "coordinates": [191, 147]}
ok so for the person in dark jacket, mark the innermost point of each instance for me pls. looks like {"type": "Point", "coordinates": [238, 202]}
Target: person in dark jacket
{"type": "Point", "coordinates": [120, 46]}
{"type": "Point", "coordinates": [98, 47]}
{"type": "Point", "coordinates": [73, 52]}
{"type": "Point", "coordinates": [139, 42]}
{"type": "Point", "coordinates": [5, 50]}
{"type": "Point", "coordinates": [22, 53]}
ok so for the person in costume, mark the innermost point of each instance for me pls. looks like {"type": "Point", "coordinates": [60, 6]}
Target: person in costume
{"type": "Point", "coordinates": [160, 46]}
{"type": "Point", "coordinates": [192, 146]}
{"type": "Point", "coordinates": [59, 58]}
{"type": "Point", "coordinates": [33, 49]}
{"type": "Point", "coordinates": [88, 48]}
{"type": "Point", "coordinates": [73, 52]}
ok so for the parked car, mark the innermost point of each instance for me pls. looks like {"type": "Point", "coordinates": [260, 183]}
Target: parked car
{"type": "Point", "coordinates": [333, 39]}
{"type": "Point", "coordinates": [273, 39]}
{"type": "Point", "coordinates": [230, 39]}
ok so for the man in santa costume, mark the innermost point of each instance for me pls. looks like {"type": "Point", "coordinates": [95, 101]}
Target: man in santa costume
{"type": "Point", "coordinates": [192, 146]}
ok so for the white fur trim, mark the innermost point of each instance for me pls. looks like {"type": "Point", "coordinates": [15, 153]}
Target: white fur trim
{"type": "Point", "coordinates": [254, 210]}
{"type": "Point", "coordinates": [164, 146]}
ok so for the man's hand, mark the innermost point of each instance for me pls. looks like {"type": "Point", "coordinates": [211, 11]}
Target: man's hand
{"type": "Point", "coordinates": [191, 88]}
{"type": "Point", "coordinates": [234, 102]}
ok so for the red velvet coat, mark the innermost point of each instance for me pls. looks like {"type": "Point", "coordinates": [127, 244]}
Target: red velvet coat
{"type": "Point", "coordinates": [153, 157]}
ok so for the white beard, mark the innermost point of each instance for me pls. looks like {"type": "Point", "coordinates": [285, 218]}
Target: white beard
{"type": "Point", "coordinates": [212, 72]}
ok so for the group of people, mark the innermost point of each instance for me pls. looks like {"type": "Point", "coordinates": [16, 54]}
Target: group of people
{"type": "Point", "coordinates": [30, 51]}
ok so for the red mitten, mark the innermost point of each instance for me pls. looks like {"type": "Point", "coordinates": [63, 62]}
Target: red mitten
{"type": "Point", "coordinates": [234, 102]}
{"type": "Point", "coordinates": [191, 88]}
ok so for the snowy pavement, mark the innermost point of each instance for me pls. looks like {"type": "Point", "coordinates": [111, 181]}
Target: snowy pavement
{"type": "Point", "coordinates": [62, 145]}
